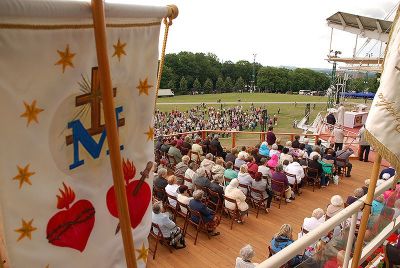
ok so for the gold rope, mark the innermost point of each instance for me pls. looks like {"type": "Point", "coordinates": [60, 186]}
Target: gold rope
{"type": "Point", "coordinates": [73, 26]}
{"type": "Point", "coordinates": [383, 150]}
{"type": "Point", "coordinates": [167, 23]}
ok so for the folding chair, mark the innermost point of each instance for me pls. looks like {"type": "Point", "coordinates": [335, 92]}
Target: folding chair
{"type": "Point", "coordinates": [257, 199]}
{"type": "Point", "coordinates": [313, 177]}
{"type": "Point", "coordinates": [214, 201]}
{"type": "Point", "coordinates": [200, 226]}
{"type": "Point", "coordinates": [295, 186]}
{"type": "Point", "coordinates": [235, 213]}
{"type": "Point", "coordinates": [159, 238]}
{"type": "Point", "coordinates": [278, 189]}
{"type": "Point", "coordinates": [170, 206]}
{"type": "Point", "coordinates": [342, 167]}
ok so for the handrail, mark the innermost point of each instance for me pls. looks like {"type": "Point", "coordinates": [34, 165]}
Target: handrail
{"type": "Point", "coordinates": [299, 245]}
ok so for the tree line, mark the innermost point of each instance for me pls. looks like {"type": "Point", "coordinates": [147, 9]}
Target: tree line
{"type": "Point", "coordinates": [187, 73]}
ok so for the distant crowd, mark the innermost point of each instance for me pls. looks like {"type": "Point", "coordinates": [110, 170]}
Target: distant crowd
{"type": "Point", "coordinates": [205, 117]}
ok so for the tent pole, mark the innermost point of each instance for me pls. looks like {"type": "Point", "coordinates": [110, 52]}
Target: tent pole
{"type": "Point", "coordinates": [112, 132]}
{"type": "Point", "coordinates": [366, 211]}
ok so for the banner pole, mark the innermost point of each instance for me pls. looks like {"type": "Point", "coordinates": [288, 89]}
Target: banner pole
{"type": "Point", "coordinates": [366, 211]}
{"type": "Point", "coordinates": [112, 132]}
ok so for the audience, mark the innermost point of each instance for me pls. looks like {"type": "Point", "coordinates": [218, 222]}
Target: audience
{"type": "Point", "coordinates": [273, 162]}
{"type": "Point", "coordinates": [246, 254]}
{"type": "Point", "coordinates": [161, 182]}
{"type": "Point", "coordinates": [218, 170]}
{"type": "Point", "coordinates": [207, 162]}
{"type": "Point", "coordinates": [191, 174]}
{"type": "Point", "coordinates": [244, 178]}
{"type": "Point", "coordinates": [201, 179]}
{"type": "Point", "coordinates": [240, 160]}
{"type": "Point", "coordinates": [231, 156]}
{"type": "Point", "coordinates": [229, 172]}
{"type": "Point", "coordinates": [280, 176]}
{"type": "Point", "coordinates": [175, 152]}
{"type": "Point", "coordinates": [181, 167]}
{"type": "Point", "coordinates": [294, 168]}
{"type": "Point", "coordinates": [358, 193]}
{"type": "Point", "coordinates": [274, 150]}
{"type": "Point", "coordinates": [344, 155]}
{"type": "Point", "coordinates": [264, 150]}
{"type": "Point", "coordinates": [285, 156]}
{"type": "Point", "coordinates": [169, 229]}
{"type": "Point", "coordinates": [316, 219]}
{"type": "Point", "coordinates": [335, 206]}
{"type": "Point", "coordinates": [265, 171]}
{"type": "Point", "coordinates": [260, 184]}
{"type": "Point", "coordinates": [184, 197]}
{"type": "Point", "coordinates": [252, 166]}
{"type": "Point", "coordinates": [172, 189]}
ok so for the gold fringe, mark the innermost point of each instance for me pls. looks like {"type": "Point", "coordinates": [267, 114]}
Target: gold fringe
{"type": "Point", "coordinates": [383, 151]}
{"type": "Point", "coordinates": [74, 26]}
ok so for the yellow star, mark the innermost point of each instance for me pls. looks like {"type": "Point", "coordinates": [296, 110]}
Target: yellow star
{"type": "Point", "coordinates": [23, 175]}
{"type": "Point", "coordinates": [65, 58]}
{"type": "Point", "coordinates": [150, 134]}
{"type": "Point", "coordinates": [143, 87]}
{"type": "Point", "coordinates": [31, 112]}
{"type": "Point", "coordinates": [26, 230]}
{"type": "Point", "coordinates": [119, 49]}
{"type": "Point", "coordinates": [143, 252]}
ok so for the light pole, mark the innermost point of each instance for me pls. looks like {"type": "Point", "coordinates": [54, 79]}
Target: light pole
{"type": "Point", "coordinates": [254, 72]}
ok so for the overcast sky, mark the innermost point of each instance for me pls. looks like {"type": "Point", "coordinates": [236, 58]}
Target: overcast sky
{"type": "Point", "coordinates": [281, 33]}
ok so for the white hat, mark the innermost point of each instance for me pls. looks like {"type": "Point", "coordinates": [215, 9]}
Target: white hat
{"type": "Point", "coordinates": [385, 176]}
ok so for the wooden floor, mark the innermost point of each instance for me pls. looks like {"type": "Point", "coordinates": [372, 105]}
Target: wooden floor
{"type": "Point", "coordinates": [222, 250]}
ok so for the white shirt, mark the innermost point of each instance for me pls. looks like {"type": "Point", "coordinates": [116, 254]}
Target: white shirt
{"type": "Point", "coordinates": [310, 224]}
{"type": "Point", "coordinates": [338, 134]}
{"type": "Point", "coordinates": [312, 155]}
{"type": "Point", "coordinates": [171, 189]}
{"type": "Point", "coordinates": [272, 152]}
{"type": "Point", "coordinates": [190, 174]}
{"type": "Point", "coordinates": [284, 157]}
{"type": "Point", "coordinates": [295, 169]}
{"type": "Point", "coordinates": [264, 170]}
{"type": "Point", "coordinates": [185, 200]}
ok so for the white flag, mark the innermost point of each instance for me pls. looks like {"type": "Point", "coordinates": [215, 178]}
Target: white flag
{"type": "Point", "coordinates": [383, 122]}
{"type": "Point", "coordinates": [56, 187]}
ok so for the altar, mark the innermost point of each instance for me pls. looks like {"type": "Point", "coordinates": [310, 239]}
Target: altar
{"type": "Point", "coordinates": [355, 119]}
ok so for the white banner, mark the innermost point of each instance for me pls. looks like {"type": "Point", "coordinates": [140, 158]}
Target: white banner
{"type": "Point", "coordinates": [56, 187]}
{"type": "Point", "coordinates": [383, 122]}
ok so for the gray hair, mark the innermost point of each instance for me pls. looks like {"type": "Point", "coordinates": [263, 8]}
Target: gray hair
{"type": "Point", "coordinates": [161, 172]}
{"type": "Point", "coordinates": [209, 156]}
{"type": "Point", "coordinates": [185, 159]}
{"type": "Point", "coordinates": [198, 194]}
{"type": "Point", "coordinates": [201, 172]}
{"type": "Point", "coordinates": [358, 192]}
{"type": "Point", "coordinates": [275, 146]}
{"type": "Point", "coordinates": [318, 213]}
{"type": "Point", "coordinates": [337, 201]}
{"type": "Point", "coordinates": [157, 207]}
{"type": "Point", "coordinates": [306, 140]}
{"type": "Point", "coordinates": [246, 252]}
{"type": "Point", "coordinates": [288, 144]}
{"type": "Point", "coordinates": [279, 168]}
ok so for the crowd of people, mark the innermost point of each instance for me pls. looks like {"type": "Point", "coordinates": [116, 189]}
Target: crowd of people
{"type": "Point", "coordinates": [189, 167]}
{"type": "Point", "coordinates": [209, 117]}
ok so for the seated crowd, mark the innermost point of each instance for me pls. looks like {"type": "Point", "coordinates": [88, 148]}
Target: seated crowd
{"type": "Point", "coordinates": [207, 179]}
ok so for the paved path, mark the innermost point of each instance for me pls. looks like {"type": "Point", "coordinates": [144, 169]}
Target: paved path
{"type": "Point", "coordinates": [243, 102]}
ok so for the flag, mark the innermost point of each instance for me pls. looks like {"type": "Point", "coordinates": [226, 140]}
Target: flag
{"type": "Point", "coordinates": [383, 122]}
{"type": "Point", "coordinates": [56, 188]}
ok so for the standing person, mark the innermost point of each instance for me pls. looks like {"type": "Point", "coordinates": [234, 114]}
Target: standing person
{"type": "Point", "coordinates": [271, 138]}
{"type": "Point", "coordinates": [275, 120]}
{"type": "Point", "coordinates": [364, 146]}
{"type": "Point", "coordinates": [338, 133]}
{"type": "Point", "coordinates": [341, 111]}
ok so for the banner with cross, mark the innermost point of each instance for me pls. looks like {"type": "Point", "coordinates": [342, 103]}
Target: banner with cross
{"type": "Point", "coordinates": [56, 192]}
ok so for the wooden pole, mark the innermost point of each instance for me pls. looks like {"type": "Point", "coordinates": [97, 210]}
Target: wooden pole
{"type": "Point", "coordinates": [366, 211]}
{"type": "Point", "coordinates": [112, 132]}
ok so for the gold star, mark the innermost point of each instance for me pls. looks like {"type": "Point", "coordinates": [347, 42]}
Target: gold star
{"type": "Point", "coordinates": [26, 230]}
{"type": "Point", "coordinates": [65, 58]}
{"type": "Point", "coordinates": [23, 175]}
{"type": "Point", "coordinates": [150, 134]}
{"type": "Point", "coordinates": [143, 87]}
{"type": "Point", "coordinates": [143, 252]}
{"type": "Point", "coordinates": [31, 112]}
{"type": "Point", "coordinates": [119, 49]}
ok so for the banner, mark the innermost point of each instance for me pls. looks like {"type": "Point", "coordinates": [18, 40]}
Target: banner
{"type": "Point", "coordinates": [383, 122]}
{"type": "Point", "coordinates": [56, 188]}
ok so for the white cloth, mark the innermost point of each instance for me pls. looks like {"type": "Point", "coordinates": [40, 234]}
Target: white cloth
{"type": "Point", "coordinates": [383, 120]}
{"type": "Point", "coordinates": [240, 263]}
{"type": "Point", "coordinates": [232, 191]}
{"type": "Point", "coordinates": [190, 174]}
{"type": "Point", "coordinates": [244, 154]}
{"type": "Point", "coordinates": [284, 157]}
{"type": "Point", "coordinates": [295, 169]}
{"type": "Point", "coordinates": [207, 164]}
{"type": "Point", "coordinates": [50, 69]}
{"type": "Point", "coordinates": [340, 113]}
{"type": "Point", "coordinates": [164, 222]}
{"type": "Point", "coordinates": [312, 155]}
{"type": "Point", "coordinates": [265, 171]}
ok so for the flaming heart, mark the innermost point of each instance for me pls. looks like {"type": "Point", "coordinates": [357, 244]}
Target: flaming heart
{"type": "Point", "coordinates": [137, 203]}
{"type": "Point", "coordinates": [71, 227]}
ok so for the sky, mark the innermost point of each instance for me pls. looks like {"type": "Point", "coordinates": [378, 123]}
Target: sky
{"type": "Point", "coordinates": [281, 33]}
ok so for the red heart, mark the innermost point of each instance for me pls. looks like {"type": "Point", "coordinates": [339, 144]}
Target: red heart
{"type": "Point", "coordinates": [137, 203]}
{"type": "Point", "coordinates": [72, 227]}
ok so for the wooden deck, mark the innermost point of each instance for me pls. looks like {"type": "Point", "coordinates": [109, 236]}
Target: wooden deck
{"type": "Point", "coordinates": [222, 250]}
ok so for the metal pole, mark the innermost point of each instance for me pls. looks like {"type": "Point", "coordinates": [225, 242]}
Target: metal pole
{"type": "Point", "coordinates": [366, 211]}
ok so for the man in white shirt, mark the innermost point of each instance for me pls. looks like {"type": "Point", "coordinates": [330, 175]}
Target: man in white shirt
{"type": "Point", "coordinates": [338, 133]}
{"type": "Point", "coordinates": [295, 169]}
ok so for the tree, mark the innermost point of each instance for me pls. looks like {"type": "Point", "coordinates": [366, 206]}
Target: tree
{"type": "Point", "coordinates": [228, 84]}
{"type": "Point", "coordinates": [196, 85]}
{"type": "Point", "coordinates": [208, 86]}
{"type": "Point", "coordinates": [220, 85]}
{"type": "Point", "coordinates": [171, 84]}
{"type": "Point", "coordinates": [239, 85]}
{"type": "Point", "coordinates": [183, 85]}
